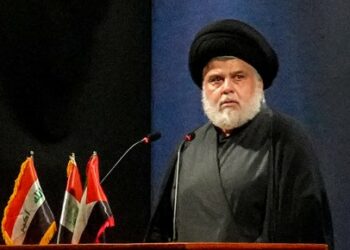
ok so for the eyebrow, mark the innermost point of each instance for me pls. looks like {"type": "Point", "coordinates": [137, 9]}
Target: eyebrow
{"type": "Point", "coordinates": [239, 71]}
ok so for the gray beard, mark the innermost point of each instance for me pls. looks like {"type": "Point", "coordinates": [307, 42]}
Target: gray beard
{"type": "Point", "coordinates": [228, 119]}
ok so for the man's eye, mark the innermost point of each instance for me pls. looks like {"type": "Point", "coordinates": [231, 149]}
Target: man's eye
{"type": "Point", "coordinates": [239, 77]}
{"type": "Point", "coordinates": [215, 79]}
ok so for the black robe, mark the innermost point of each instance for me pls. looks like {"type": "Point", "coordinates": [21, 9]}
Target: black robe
{"type": "Point", "coordinates": [265, 186]}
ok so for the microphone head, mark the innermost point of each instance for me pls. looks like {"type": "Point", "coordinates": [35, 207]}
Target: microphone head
{"type": "Point", "coordinates": [151, 137]}
{"type": "Point", "coordinates": [189, 136]}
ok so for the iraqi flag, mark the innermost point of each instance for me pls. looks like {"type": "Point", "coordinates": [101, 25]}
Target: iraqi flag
{"type": "Point", "coordinates": [27, 217]}
{"type": "Point", "coordinates": [94, 215]}
{"type": "Point", "coordinates": [71, 202]}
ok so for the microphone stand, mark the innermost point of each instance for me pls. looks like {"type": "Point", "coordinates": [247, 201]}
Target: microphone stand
{"type": "Point", "coordinates": [188, 137]}
{"type": "Point", "coordinates": [116, 164]}
{"type": "Point", "coordinates": [146, 140]}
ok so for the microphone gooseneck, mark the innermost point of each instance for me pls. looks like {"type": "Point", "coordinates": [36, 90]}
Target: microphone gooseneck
{"type": "Point", "coordinates": [146, 140]}
{"type": "Point", "coordinates": [189, 137]}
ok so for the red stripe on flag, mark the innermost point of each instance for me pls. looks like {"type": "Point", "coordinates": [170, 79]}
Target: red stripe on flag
{"type": "Point", "coordinates": [23, 183]}
{"type": "Point", "coordinates": [93, 185]}
{"type": "Point", "coordinates": [74, 186]}
{"type": "Point", "coordinates": [108, 223]}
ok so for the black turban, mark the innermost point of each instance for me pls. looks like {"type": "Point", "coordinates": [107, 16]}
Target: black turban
{"type": "Point", "coordinates": [232, 38]}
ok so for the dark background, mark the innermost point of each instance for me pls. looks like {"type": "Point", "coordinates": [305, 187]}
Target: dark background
{"type": "Point", "coordinates": [75, 77]}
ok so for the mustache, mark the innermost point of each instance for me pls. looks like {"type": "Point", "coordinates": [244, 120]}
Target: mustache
{"type": "Point", "coordinates": [227, 99]}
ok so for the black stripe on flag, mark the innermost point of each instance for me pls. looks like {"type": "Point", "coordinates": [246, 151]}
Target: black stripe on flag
{"type": "Point", "coordinates": [99, 215]}
{"type": "Point", "coordinates": [41, 222]}
{"type": "Point", "coordinates": [65, 235]}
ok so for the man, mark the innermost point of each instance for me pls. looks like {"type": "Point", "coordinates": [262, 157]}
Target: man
{"type": "Point", "coordinates": [250, 174]}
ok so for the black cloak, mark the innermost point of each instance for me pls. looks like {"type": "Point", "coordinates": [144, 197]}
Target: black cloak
{"type": "Point", "coordinates": [264, 187]}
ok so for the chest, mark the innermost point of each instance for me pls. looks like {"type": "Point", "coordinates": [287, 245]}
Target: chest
{"type": "Point", "coordinates": [225, 187]}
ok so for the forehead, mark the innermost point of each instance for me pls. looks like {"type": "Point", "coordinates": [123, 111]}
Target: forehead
{"type": "Point", "coordinates": [223, 63]}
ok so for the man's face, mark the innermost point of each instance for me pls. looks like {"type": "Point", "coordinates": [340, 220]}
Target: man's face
{"type": "Point", "coordinates": [232, 92]}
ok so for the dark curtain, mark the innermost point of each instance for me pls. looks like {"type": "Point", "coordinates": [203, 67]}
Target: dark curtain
{"type": "Point", "coordinates": [75, 77]}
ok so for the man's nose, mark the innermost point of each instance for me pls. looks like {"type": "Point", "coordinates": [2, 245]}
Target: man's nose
{"type": "Point", "coordinates": [228, 86]}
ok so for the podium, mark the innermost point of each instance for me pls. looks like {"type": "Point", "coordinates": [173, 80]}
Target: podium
{"type": "Point", "coordinates": [171, 246]}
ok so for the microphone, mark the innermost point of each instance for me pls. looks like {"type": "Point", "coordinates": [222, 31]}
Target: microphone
{"type": "Point", "coordinates": [146, 140]}
{"type": "Point", "coordinates": [189, 137]}
{"type": "Point", "coordinates": [151, 138]}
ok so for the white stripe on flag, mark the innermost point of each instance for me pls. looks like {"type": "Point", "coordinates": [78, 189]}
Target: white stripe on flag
{"type": "Point", "coordinates": [83, 217]}
{"type": "Point", "coordinates": [34, 199]}
{"type": "Point", "coordinates": [70, 212]}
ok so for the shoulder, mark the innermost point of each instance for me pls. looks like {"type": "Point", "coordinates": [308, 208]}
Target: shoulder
{"type": "Point", "coordinates": [294, 153]}
{"type": "Point", "coordinates": [292, 143]}
{"type": "Point", "coordinates": [288, 130]}
{"type": "Point", "coordinates": [203, 128]}
{"type": "Point", "coordinates": [201, 131]}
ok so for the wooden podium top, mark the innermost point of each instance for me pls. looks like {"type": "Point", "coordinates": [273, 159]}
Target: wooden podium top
{"type": "Point", "coordinates": [178, 245]}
